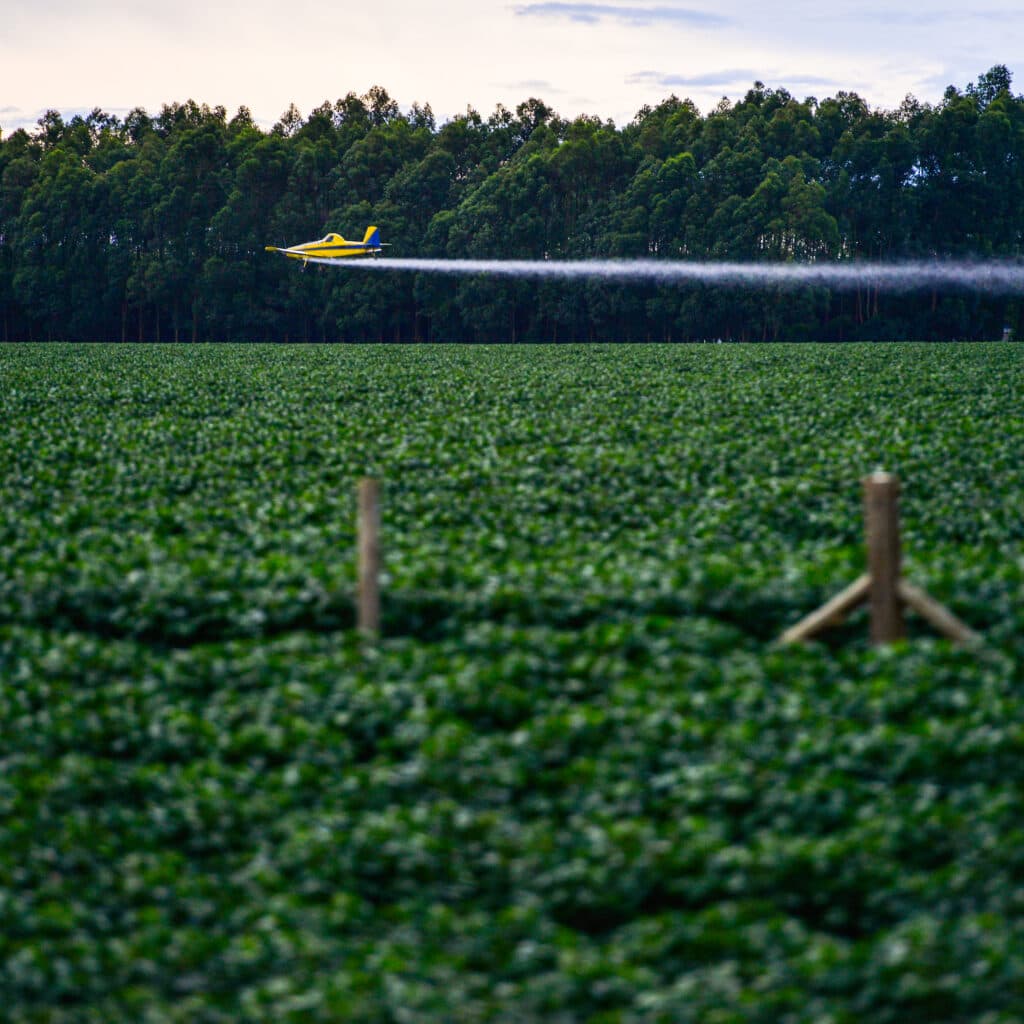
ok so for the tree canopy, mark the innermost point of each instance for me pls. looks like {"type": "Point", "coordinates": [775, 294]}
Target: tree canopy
{"type": "Point", "coordinates": [152, 228]}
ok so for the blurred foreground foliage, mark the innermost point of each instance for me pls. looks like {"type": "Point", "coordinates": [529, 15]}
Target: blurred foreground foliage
{"type": "Point", "coordinates": [575, 781]}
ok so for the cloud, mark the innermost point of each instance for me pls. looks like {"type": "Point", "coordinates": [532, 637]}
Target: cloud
{"type": "Point", "coordinates": [535, 84]}
{"type": "Point", "coordinates": [711, 78]}
{"type": "Point", "coordinates": [721, 79]}
{"type": "Point", "coordinates": [13, 118]}
{"type": "Point", "coordinates": [958, 76]}
{"type": "Point", "coordinates": [919, 19]}
{"type": "Point", "coordinates": [591, 14]}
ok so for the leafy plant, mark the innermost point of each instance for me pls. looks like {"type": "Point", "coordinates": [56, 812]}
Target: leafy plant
{"type": "Point", "coordinates": [576, 779]}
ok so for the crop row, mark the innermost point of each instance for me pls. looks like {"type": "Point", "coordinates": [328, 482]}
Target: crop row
{"type": "Point", "coordinates": [604, 819]}
{"type": "Point", "coordinates": [187, 496]}
{"type": "Point", "coordinates": [576, 780]}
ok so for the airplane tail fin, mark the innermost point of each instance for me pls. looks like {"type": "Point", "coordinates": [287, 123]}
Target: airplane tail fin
{"type": "Point", "coordinates": [372, 236]}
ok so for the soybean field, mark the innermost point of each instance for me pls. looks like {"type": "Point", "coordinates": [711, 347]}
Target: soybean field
{"type": "Point", "coordinates": [576, 778]}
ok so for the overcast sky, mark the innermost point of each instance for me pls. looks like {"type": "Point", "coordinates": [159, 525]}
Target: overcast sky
{"type": "Point", "coordinates": [597, 58]}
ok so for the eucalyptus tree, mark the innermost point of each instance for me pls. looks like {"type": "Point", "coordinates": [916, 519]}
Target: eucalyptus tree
{"type": "Point", "coordinates": [152, 227]}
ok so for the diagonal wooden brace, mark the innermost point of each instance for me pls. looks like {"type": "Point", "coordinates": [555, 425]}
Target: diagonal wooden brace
{"type": "Point", "coordinates": [936, 615]}
{"type": "Point", "coordinates": [831, 613]}
{"type": "Point", "coordinates": [882, 586]}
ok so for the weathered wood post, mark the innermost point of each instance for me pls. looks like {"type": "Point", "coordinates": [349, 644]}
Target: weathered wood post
{"type": "Point", "coordinates": [368, 596]}
{"type": "Point", "coordinates": [882, 586]}
{"type": "Point", "coordinates": [882, 524]}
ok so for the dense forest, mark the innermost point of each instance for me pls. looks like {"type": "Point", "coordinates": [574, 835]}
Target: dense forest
{"type": "Point", "coordinates": [152, 228]}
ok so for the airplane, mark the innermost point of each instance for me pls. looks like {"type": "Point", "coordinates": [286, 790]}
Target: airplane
{"type": "Point", "coordinates": [333, 247]}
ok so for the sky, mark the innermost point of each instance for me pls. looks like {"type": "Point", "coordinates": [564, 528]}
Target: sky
{"type": "Point", "coordinates": [598, 58]}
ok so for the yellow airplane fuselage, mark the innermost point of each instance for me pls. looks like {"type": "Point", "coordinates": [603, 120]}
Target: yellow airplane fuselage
{"type": "Point", "coordinates": [332, 247]}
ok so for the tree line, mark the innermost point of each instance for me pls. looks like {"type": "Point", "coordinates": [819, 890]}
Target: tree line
{"type": "Point", "coordinates": [152, 228]}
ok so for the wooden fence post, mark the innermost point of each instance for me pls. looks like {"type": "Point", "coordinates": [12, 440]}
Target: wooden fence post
{"type": "Point", "coordinates": [881, 517]}
{"type": "Point", "coordinates": [882, 586]}
{"type": "Point", "coordinates": [368, 617]}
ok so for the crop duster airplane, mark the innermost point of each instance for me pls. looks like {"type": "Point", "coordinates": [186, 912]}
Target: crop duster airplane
{"type": "Point", "coordinates": [333, 247]}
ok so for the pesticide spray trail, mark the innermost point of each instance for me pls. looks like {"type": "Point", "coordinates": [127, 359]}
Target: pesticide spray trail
{"type": "Point", "coordinates": [986, 276]}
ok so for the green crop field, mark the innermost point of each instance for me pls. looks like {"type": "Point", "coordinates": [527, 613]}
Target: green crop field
{"type": "Point", "coordinates": [576, 779]}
